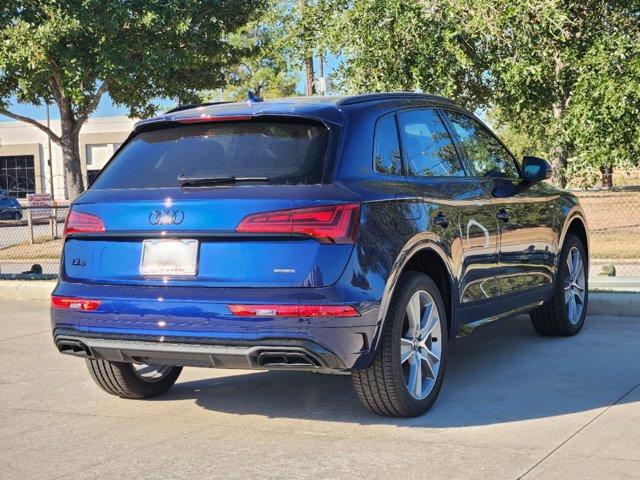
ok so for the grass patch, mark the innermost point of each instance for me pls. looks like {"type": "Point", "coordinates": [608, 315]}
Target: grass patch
{"type": "Point", "coordinates": [42, 248]}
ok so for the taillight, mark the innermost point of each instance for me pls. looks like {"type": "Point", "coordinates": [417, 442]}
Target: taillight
{"type": "Point", "coordinates": [327, 224]}
{"type": "Point", "coordinates": [74, 303]}
{"type": "Point", "coordinates": [78, 222]}
{"type": "Point", "coordinates": [293, 310]}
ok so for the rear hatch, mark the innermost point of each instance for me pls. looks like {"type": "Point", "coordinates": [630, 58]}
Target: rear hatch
{"type": "Point", "coordinates": [185, 205]}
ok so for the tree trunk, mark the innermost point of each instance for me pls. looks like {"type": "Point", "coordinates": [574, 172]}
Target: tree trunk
{"type": "Point", "coordinates": [607, 176]}
{"type": "Point", "coordinates": [308, 67]}
{"type": "Point", "coordinates": [559, 160]}
{"type": "Point", "coordinates": [71, 156]}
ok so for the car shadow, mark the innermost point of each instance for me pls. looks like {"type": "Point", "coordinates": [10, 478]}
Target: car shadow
{"type": "Point", "coordinates": [501, 373]}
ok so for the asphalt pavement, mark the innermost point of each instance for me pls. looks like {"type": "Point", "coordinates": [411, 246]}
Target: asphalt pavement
{"type": "Point", "coordinates": [513, 405]}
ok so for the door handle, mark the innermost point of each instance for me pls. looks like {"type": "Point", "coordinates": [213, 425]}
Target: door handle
{"type": "Point", "coordinates": [503, 215]}
{"type": "Point", "coordinates": [441, 220]}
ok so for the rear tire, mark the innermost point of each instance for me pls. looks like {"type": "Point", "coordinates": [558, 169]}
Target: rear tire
{"type": "Point", "coordinates": [563, 315]}
{"type": "Point", "coordinates": [406, 374]}
{"type": "Point", "coordinates": [128, 381]}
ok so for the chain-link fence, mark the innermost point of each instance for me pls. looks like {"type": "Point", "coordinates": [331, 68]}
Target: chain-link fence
{"type": "Point", "coordinates": [613, 218]}
{"type": "Point", "coordinates": [30, 237]}
{"type": "Point", "coordinates": [31, 240]}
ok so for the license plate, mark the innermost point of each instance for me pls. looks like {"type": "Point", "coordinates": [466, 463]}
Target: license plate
{"type": "Point", "coordinates": [169, 257]}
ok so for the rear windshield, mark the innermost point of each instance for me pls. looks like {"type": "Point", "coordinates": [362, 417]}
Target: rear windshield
{"type": "Point", "coordinates": [284, 152]}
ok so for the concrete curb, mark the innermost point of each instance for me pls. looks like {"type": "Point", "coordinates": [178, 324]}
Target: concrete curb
{"type": "Point", "coordinates": [617, 304]}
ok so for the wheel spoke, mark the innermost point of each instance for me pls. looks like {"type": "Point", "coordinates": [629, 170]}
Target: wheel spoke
{"type": "Point", "coordinates": [576, 273]}
{"type": "Point", "coordinates": [579, 297]}
{"type": "Point", "coordinates": [430, 360]}
{"type": "Point", "coordinates": [430, 322]}
{"type": "Point", "coordinates": [572, 308]}
{"type": "Point", "coordinates": [575, 264]}
{"type": "Point", "coordinates": [413, 314]}
{"type": "Point", "coordinates": [146, 369]}
{"type": "Point", "coordinates": [415, 376]}
{"type": "Point", "coordinates": [406, 352]}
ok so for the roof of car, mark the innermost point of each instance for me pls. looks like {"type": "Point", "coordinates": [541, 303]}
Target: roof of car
{"type": "Point", "coordinates": [326, 107]}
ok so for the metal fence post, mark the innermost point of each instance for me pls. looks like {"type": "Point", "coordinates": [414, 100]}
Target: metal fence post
{"type": "Point", "coordinates": [30, 226]}
{"type": "Point", "coordinates": [55, 222]}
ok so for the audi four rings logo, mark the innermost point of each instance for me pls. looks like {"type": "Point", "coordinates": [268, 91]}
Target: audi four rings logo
{"type": "Point", "coordinates": [166, 217]}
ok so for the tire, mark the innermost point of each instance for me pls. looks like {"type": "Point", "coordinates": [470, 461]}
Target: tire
{"type": "Point", "coordinates": [384, 387]}
{"type": "Point", "coordinates": [17, 216]}
{"type": "Point", "coordinates": [131, 381]}
{"type": "Point", "coordinates": [555, 317]}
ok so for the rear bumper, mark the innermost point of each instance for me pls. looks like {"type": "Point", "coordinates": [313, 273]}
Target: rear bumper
{"type": "Point", "coordinates": [193, 326]}
{"type": "Point", "coordinates": [275, 354]}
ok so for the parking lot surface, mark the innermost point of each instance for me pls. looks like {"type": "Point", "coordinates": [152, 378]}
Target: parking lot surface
{"type": "Point", "coordinates": [513, 405]}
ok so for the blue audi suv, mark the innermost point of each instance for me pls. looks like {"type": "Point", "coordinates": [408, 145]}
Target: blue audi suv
{"type": "Point", "coordinates": [354, 234]}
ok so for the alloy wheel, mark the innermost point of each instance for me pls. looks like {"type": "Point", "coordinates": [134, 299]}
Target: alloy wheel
{"type": "Point", "coordinates": [574, 286]}
{"type": "Point", "coordinates": [421, 345]}
{"type": "Point", "coordinates": [151, 373]}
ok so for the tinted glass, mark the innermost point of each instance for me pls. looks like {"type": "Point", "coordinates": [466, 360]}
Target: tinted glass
{"type": "Point", "coordinates": [427, 147]}
{"type": "Point", "coordinates": [386, 156]}
{"type": "Point", "coordinates": [489, 158]}
{"type": "Point", "coordinates": [286, 153]}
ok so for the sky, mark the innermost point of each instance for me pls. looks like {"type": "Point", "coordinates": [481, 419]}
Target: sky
{"type": "Point", "coordinates": [106, 108]}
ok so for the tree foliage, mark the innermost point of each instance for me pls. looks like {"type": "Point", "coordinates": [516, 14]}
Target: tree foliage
{"type": "Point", "coordinates": [72, 52]}
{"type": "Point", "coordinates": [405, 45]}
{"type": "Point", "coordinates": [563, 73]}
{"type": "Point", "coordinates": [264, 68]}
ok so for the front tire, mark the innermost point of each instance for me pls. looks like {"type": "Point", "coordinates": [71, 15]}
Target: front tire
{"type": "Point", "coordinates": [129, 380]}
{"type": "Point", "coordinates": [406, 374]}
{"type": "Point", "coordinates": [563, 315]}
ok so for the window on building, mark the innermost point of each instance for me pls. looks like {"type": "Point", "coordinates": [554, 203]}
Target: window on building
{"type": "Point", "coordinates": [98, 154]}
{"type": "Point", "coordinates": [17, 175]}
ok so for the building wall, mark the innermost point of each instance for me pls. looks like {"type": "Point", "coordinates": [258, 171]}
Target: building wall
{"type": "Point", "coordinates": [99, 138]}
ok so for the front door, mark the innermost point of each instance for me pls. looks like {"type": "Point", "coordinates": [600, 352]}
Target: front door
{"type": "Point", "coordinates": [525, 212]}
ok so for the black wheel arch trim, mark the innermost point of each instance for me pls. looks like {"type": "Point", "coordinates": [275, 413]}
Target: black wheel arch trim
{"type": "Point", "coordinates": [411, 249]}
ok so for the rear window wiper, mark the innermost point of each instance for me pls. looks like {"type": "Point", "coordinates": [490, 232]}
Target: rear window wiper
{"type": "Point", "coordinates": [187, 181]}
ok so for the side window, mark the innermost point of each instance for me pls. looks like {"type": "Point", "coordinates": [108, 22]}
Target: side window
{"type": "Point", "coordinates": [386, 150]}
{"type": "Point", "coordinates": [488, 156]}
{"type": "Point", "coordinates": [427, 147]}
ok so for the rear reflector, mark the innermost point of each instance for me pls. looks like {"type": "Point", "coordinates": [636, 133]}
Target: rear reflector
{"type": "Point", "coordinates": [74, 303]}
{"type": "Point", "coordinates": [327, 224]}
{"type": "Point", "coordinates": [293, 311]}
{"type": "Point", "coordinates": [78, 222]}
{"type": "Point", "coordinates": [214, 118]}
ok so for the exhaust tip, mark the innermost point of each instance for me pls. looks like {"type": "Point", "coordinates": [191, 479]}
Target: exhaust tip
{"type": "Point", "coordinates": [287, 360]}
{"type": "Point", "coordinates": [73, 347]}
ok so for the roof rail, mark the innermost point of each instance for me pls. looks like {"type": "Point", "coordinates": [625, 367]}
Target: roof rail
{"type": "Point", "coordinates": [195, 105]}
{"type": "Point", "coordinates": [370, 97]}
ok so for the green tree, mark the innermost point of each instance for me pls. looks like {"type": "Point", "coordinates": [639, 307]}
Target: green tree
{"type": "Point", "coordinates": [539, 53]}
{"type": "Point", "coordinates": [533, 60]}
{"type": "Point", "coordinates": [405, 45]}
{"type": "Point", "coordinates": [263, 68]}
{"type": "Point", "coordinates": [604, 112]}
{"type": "Point", "coordinates": [72, 52]}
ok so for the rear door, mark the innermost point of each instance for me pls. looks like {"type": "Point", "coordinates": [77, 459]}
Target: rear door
{"type": "Point", "coordinates": [214, 233]}
{"type": "Point", "coordinates": [525, 212]}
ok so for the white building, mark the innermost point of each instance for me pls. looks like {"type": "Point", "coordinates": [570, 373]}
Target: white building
{"type": "Point", "coordinates": [24, 154]}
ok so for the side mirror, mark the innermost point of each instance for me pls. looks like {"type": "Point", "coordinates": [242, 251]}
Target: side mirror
{"type": "Point", "coordinates": [535, 169]}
